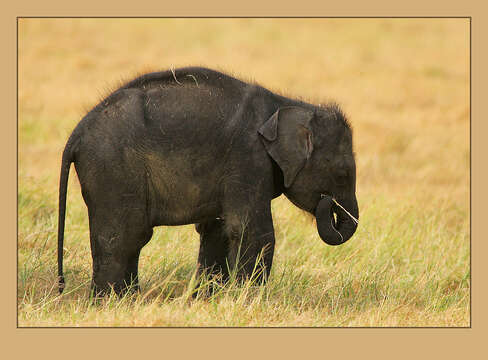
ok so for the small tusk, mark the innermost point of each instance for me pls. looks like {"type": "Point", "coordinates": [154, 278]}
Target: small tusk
{"type": "Point", "coordinates": [347, 212]}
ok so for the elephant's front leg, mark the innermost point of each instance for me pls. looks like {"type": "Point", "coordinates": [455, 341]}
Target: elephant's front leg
{"type": "Point", "coordinates": [251, 243]}
{"type": "Point", "coordinates": [212, 258]}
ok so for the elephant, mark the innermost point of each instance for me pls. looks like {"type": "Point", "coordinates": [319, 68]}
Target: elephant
{"type": "Point", "coordinates": [197, 146]}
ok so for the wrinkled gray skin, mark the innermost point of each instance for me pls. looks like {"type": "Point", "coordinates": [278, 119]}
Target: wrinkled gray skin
{"type": "Point", "coordinates": [199, 147]}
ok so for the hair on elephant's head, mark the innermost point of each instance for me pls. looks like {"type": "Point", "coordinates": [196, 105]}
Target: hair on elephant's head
{"type": "Point", "coordinates": [313, 148]}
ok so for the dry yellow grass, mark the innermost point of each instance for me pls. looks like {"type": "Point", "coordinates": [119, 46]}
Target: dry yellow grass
{"type": "Point", "coordinates": [404, 84]}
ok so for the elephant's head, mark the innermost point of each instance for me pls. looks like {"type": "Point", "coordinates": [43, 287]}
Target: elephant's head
{"type": "Point", "coordinates": [313, 148]}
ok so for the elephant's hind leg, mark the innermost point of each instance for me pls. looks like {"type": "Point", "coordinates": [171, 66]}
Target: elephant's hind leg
{"type": "Point", "coordinates": [116, 239]}
{"type": "Point", "coordinates": [132, 273]}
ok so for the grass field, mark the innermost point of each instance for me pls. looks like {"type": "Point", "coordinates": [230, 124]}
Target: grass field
{"type": "Point", "coordinates": [404, 84]}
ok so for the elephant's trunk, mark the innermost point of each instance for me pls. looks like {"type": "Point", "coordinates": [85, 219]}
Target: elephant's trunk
{"type": "Point", "coordinates": [334, 232]}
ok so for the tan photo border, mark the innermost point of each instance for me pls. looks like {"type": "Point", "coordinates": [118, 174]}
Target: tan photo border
{"type": "Point", "coordinates": [435, 343]}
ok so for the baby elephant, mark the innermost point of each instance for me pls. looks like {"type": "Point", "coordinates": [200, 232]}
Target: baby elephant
{"type": "Point", "coordinates": [195, 146]}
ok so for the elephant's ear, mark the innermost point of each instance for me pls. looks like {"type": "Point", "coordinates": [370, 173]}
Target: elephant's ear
{"type": "Point", "coordinates": [287, 138]}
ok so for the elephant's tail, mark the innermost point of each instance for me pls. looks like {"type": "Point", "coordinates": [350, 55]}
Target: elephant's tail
{"type": "Point", "coordinates": [67, 159]}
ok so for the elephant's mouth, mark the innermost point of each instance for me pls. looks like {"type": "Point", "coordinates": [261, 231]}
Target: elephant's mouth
{"type": "Point", "coordinates": [336, 222]}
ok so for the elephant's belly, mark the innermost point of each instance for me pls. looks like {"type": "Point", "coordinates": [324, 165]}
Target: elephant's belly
{"type": "Point", "coordinates": [179, 200]}
{"type": "Point", "coordinates": [173, 214]}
